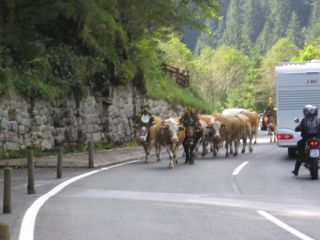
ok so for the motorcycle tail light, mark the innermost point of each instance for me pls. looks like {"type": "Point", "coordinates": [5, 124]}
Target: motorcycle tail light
{"type": "Point", "coordinates": [314, 143]}
{"type": "Point", "coordinates": [284, 136]}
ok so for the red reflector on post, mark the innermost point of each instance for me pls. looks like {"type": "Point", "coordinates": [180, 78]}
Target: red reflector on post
{"type": "Point", "coordinates": [284, 136]}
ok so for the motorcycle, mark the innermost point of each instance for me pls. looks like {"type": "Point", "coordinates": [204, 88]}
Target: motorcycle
{"type": "Point", "coordinates": [312, 155]}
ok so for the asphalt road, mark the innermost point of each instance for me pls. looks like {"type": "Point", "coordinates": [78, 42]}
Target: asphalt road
{"type": "Point", "coordinates": [213, 199]}
{"type": "Point", "coordinates": [252, 196]}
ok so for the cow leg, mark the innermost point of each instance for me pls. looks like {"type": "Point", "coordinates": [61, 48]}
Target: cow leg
{"type": "Point", "coordinates": [236, 147]}
{"type": "Point", "coordinates": [214, 151]}
{"type": "Point", "coordinates": [188, 155]}
{"type": "Point", "coordinates": [227, 149]}
{"type": "Point", "coordinates": [148, 150]}
{"type": "Point", "coordinates": [244, 144]}
{"type": "Point", "coordinates": [250, 144]}
{"type": "Point", "coordinates": [192, 154]}
{"type": "Point", "coordinates": [171, 165]}
{"type": "Point", "coordinates": [145, 146]}
{"type": "Point", "coordinates": [255, 136]}
{"type": "Point", "coordinates": [231, 148]}
{"type": "Point", "coordinates": [204, 148]}
{"type": "Point", "coordinates": [158, 151]}
{"type": "Point", "coordinates": [174, 151]}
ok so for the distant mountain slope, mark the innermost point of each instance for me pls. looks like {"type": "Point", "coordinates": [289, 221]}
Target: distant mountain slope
{"type": "Point", "coordinates": [255, 25]}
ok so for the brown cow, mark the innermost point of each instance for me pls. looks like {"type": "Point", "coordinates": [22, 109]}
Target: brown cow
{"type": "Point", "coordinates": [171, 135]}
{"type": "Point", "coordinates": [211, 132]}
{"type": "Point", "coordinates": [230, 132]}
{"type": "Point", "coordinates": [148, 138]}
{"type": "Point", "coordinates": [271, 126]}
{"type": "Point", "coordinates": [252, 115]}
{"type": "Point", "coordinates": [246, 131]}
{"type": "Point", "coordinates": [254, 120]}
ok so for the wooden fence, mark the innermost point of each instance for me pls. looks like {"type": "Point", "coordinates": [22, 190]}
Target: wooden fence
{"type": "Point", "coordinates": [181, 77]}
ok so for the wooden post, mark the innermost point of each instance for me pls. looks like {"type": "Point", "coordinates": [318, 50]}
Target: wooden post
{"type": "Point", "coordinates": [4, 231]}
{"type": "Point", "coordinates": [59, 161]}
{"type": "Point", "coordinates": [30, 173]}
{"type": "Point", "coordinates": [7, 191]}
{"type": "Point", "coordinates": [90, 154]}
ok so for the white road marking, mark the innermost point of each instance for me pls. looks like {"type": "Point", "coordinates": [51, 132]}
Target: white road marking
{"type": "Point", "coordinates": [28, 221]}
{"type": "Point", "coordinates": [239, 168]}
{"type": "Point", "coordinates": [284, 226]}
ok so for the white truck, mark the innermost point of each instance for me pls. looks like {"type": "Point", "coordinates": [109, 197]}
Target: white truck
{"type": "Point", "coordinates": [297, 84]}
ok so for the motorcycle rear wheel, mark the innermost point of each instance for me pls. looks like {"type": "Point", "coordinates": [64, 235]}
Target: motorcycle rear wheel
{"type": "Point", "coordinates": [314, 168]}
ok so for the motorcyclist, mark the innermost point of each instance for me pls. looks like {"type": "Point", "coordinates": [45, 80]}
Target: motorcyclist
{"type": "Point", "coordinates": [309, 127]}
{"type": "Point", "coordinates": [145, 118]}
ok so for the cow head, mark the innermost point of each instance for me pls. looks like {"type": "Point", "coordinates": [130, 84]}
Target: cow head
{"type": "Point", "coordinates": [190, 135]}
{"type": "Point", "coordinates": [143, 134]}
{"type": "Point", "coordinates": [216, 128]}
{"type": "Point", "coordinates": [172, 127]}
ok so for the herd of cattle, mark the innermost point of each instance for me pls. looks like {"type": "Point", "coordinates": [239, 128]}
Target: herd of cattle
{"type": "Point", "coordinates": [228, 128]}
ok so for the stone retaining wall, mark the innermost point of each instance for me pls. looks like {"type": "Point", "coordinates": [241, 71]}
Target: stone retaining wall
{"type": "Point", "coordinates": [43, 124]}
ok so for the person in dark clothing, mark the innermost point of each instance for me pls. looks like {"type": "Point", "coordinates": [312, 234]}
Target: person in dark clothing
{"type": "Point", "coordinates": [190, 118]}
{"type": "Point", "coordinates": [309, 127]}
{"type": "Point", "coordinates": [144, 117]}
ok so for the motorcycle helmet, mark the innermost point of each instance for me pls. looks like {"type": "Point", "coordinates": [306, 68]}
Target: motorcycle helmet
{"type": "Point", "coordinates": [306, 110]}
{"type": "Point", "coordinates": [314, 111]}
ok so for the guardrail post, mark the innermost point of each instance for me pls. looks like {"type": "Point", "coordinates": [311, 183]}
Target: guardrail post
{"type": "Point", "coordinates": [7, 191]}
{"type": "Point", "coordinates": [4, 231]}
{"type": "Point", "coordinates": [90, 154]}
{"type": "Point", "coordinates": [30, 172]}
{"type": "Point", "coordinates": [59, 161]}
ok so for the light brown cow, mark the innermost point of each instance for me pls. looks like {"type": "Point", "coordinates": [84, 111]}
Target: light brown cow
{"type": "Point", "coordinates": [211, 132]}
{"type": "Point", "coordinates": [272, 126]}
{"type": "Point", "coordinates": [171, 135]}
{"type": "Point", "coordinates": [246, 131]}
{"type": "Point", "coordinates": [229, 132]}
{"type": "Point", "coordinates": [254, 120]}
{"type": "Point", "coordinates": [148, 138]}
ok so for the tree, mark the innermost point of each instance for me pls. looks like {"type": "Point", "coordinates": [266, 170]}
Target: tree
{"type": "Point", "coordinates": [87, 43]}
{"type": "Point", "coordinates": [294, 30]}
{"type": "Point", "coordinates": [283, 50]}
{"type": "Point", "coordinates": [309, 52]}
{"type": "Point", "coordinates": [232, 34]}
{"type": "Point", "coordinates": [223, 69]}
{"type": "Point", "coordinates": [136, 18]}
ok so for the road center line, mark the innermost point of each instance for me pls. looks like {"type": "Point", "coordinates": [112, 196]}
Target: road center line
{"type": "Point", "coordinates": [28, 221]}
{"type": "Point", "coordinates": [284, 226]}
{"type": "Point", "coordinates": [239, 168]}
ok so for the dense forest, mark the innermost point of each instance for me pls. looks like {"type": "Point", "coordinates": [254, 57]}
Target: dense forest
{"type": "Point", "coordinates": [253, 26]}
{"type": "Point", "coordinates": [84, 47]}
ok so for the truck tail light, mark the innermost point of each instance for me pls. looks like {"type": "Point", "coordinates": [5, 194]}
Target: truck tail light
{"type": "Point", "coordinates": [284, 136]}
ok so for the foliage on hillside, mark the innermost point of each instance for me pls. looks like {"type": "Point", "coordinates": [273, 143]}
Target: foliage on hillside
{"type": "Point", "coordinates": [49, 48]}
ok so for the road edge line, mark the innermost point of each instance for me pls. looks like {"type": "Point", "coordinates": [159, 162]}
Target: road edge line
{"type": "Point", "coordinates": [29, 218]}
